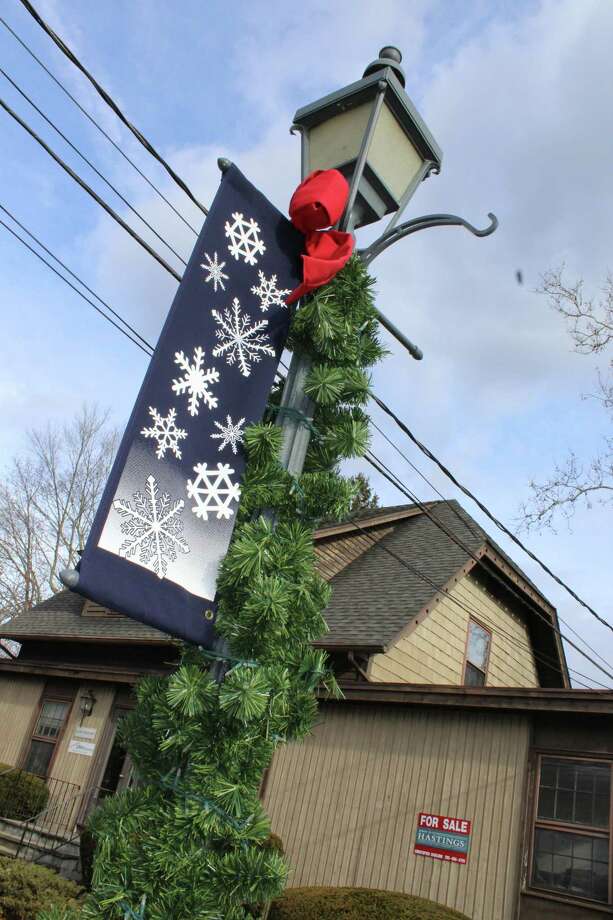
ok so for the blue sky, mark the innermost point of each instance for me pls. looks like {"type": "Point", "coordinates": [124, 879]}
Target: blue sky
{"type": "Point", "coordinates": [517, 95]}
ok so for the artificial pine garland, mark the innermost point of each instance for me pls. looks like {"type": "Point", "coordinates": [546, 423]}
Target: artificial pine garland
{"type": "Point", "coordinates": [190, 842]}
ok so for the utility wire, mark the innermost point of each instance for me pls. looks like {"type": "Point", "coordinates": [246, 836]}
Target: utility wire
{"type": "Point", "coordinates": [148, 346]}
{"type": "Point", "coordinates": [91, 166]}
{"type": "Point", "coordinates": [112, 104]}
{"type": "Point", "coordinates": [466, 549]}
{"type": "Point", "coordinates": [99, 127]}
{"type": "Point", "coordinates": [428, 453]}
{"type": "Point", "coordinates": [396, 479]}
{"type": "Point", "coordinates": [70, 284]}
{"type": "Point", "coordinates": [540, 656]}
{"type": "Point", "coordinates": [87, 188]}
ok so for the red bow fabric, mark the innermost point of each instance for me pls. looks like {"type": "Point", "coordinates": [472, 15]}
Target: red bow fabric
{"type": "Point", "coordinates": [319, 202]}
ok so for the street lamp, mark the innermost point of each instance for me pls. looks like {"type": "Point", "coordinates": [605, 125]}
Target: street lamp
{"type": "Point", "coordinates": [372, 133]}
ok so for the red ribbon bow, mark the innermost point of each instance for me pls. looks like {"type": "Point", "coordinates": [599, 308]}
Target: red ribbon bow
{"type": "Point", "coordinates": [319, 202]}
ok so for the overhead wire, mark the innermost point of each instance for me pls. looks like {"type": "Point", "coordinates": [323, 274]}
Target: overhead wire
{"type": "Point", "coordinates": [541, 616]}
{"type": "Point", "coordinates": [97, 125]}
{"type": "Point", "coordinates": [149, 147]}
{"type": "Point", "coordinates": [74, 287]}
{"type": "Point", "coordinates": [90, 191]}
{"type": "Point", "coordinates": [140, 137]}
{"type": "Point", "coordinates": [92, 166]}
{"type": "Point", "coordinates": [158, 258]}
{"type": "Point", "coordinates": [499, 524]}
{"type": "Point", "coordinates": [389, 474]}
{"type": "Point", "coordinates": [148, 348]}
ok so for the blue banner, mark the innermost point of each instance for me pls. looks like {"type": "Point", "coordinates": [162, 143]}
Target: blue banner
{"type": "Point", "coordinates": [168, 510]}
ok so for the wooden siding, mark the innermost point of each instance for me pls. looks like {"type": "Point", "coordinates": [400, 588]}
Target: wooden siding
{"type": "Point", "coordinates": [76, 768]}
{"type": "Point", "coordinates": [345, 802]}
{"type": "Point", "coordinates": [19, 698]}
{"type": "Point", "coordinates": [433, 652]}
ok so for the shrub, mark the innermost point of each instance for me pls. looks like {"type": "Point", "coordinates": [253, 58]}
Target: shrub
{"type": "Point", "coordinates": [87, 848]}
{"type": "Point", "coordinates": [22, 795]}
{"type": "Point", "coordinates": [26, 889]}
{"type": "Point", "coordinates": [356, 904]}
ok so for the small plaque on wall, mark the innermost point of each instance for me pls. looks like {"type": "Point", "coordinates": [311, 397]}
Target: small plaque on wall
{"type": "Point", "coordinates": [86, 748]}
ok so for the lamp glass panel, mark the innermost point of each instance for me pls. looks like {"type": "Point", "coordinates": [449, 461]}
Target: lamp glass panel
{"type": "Point", "coordinates": [392, 156]}
{"type": "Point", "coordinates": [337, 141]}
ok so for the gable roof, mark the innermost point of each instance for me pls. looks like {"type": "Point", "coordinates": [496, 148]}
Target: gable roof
{"type": "Point", "coordinates": [384, 573]}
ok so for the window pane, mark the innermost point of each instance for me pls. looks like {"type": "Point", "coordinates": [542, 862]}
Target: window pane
{"type": "Point", "coordinates": [478, 645]}
{"type": "Point", "coordinates": [573, 863]}
{"type": "Point", "coordinates": [474, 677]}
{"type": "Point", "coordinates": [51, 719]}
{"type": "Point", "coordinates": [547, 801]}
{"type": "Point", "coordinates": [39, 757]}
{"type": "Point", "coordinates": [575, 792]}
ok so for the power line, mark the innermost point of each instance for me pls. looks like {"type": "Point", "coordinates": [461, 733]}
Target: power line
{"type": "Point", "coordinates": [466, 549]}
{"type": "Point", "coordinates": [541, 656]}
{"type": "Point", "coordinates": [428, 453]}
{"type": "Point", "coordinates": [456, 513]}
{"type": "Point", "coordinates": [98, 126]}
{"type": "Point", "coordinates": [87, 188]}
{"type": "Point", "coordinates": [112, 104]}
{"type": "Point", "coordinates": [74, 288]}
{"type": "Point", "coordinates": [421, 575]}
{"type": "Point", "coordinates": [117, 315]}
{"type": "Point", "coordinates": [92, 166]}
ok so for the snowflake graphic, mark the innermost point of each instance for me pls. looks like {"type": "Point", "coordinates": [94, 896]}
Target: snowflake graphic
{"type": "Point", "coordinates": [215, 273]}
{"type": "Point", "coordinates": [239, 340]}
{"type": "Point", "coordinates": [268, 292]}
{"type": "Point", "coordinates": [229, 434]}
{"type": "Point", "coordinates": [165, 432]}
{"type": "Point", "coordinates": [153, 528]}
{"type": "Point", "coordinates": [195, 380]}
{"type": "Point", "coordinates": [244, 236]}
{"type": "Point", "coordinates": [213, 491]}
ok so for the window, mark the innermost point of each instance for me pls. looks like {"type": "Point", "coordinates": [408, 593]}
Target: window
{"type": "Point", "coordinates": [572, 833]}
{"type": "Point", "coordinates": [45, 736]}
{"type": "Point", "coordinates": [477, 654]}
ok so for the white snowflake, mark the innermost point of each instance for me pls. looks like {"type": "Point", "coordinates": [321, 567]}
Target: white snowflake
{"type": "Point", "coordinates": [195, 381]}
{"type": "Point", "coordinates": [165, 432]}
{"type": "Point", "coordinates": [268, 292]}
{"type": "Point", "coordinates": [239, 340]}
{"type": "Point", "coordinates": [244, 236]}
{"type": "Point", "coordinates": [153, 527]}
{"type": "Point", "coordinates": [213, 491]}
{"type": "Point", "coordinates": [215, 273]}
{"type": "Point", "coordinates": [229, 434]}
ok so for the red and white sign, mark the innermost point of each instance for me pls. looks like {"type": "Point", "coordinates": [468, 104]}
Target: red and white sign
{"type": "Point", "coordinates": [442, 837]}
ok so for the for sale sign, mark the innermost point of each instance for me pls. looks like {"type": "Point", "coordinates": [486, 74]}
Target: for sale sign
{"type": "Point", "coordinates": [442, 837]}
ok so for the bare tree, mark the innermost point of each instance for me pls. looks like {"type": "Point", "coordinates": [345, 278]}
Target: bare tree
{"type": "Point", "coordinates": [590, 324]}
{"type": "Point", "coordinates": [48, 498]}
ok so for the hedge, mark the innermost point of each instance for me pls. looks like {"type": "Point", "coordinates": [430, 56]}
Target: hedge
{"type": "Point", "coordinates": [356, 904]}
{"type": "Point", "coordinates": [26, 889]}
{"type": "Point", "coordinates": [22, 795]}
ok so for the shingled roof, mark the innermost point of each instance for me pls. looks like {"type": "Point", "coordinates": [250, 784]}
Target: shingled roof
{"type": "Point", "coordinates": [59, 617]}
{"type": "Point", "coordinates": [383, 572]}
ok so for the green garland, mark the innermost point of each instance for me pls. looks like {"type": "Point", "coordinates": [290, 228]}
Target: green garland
{"type": "Point", "coordinates": [191, 841]}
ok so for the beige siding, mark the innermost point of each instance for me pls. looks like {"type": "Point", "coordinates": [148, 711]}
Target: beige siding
{"type": "Point", "coordinates": [433, 653]}
{"type": "Point", "coordinates": [76, 768]}
{"type": "Point", "coordinates": [346, 801]}
{"type": "Point", "coordinates": [19, 698]}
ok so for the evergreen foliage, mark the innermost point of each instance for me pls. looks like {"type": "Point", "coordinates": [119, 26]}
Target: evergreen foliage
{"type": "Point", "coordinates": [22, 794]}
{"type": "Point", "coordinates": [25, 889]}
{"type": "Point", "coordinates": [357, 904]}
{"type": "Point", "coordinates": [191, 840]}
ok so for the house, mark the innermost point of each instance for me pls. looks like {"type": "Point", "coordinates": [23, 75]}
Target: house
{"type": "Point", "coordinates": [460, 765]}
